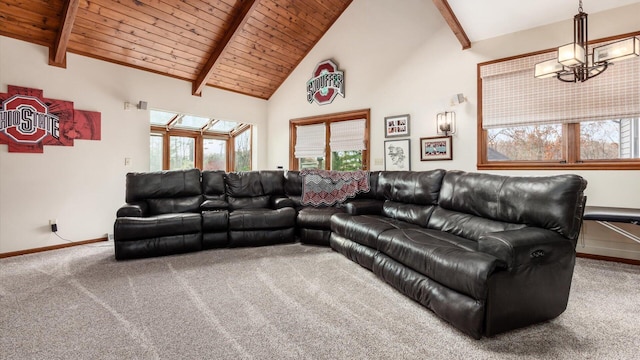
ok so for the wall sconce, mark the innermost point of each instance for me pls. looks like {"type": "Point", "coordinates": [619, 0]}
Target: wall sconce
{"type": "Point", "coordinates": [446, 123]}
{"type": "Point", "coordinates": [141, 105]}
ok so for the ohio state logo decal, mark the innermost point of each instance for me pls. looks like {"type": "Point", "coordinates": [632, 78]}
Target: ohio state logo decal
{"type": "Point", "coordinates": [29, 121]}
{"type": "Point", "coordinates": [26, 119]}
{"type": "Point", "coordinates": [327, 82]}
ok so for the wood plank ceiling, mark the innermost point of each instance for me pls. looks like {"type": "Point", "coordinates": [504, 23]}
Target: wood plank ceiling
{"type": "Point", "coordinates": [245, 46]}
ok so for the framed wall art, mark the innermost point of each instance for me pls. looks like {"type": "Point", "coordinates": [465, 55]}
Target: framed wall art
{"type": "Point", "coordinates": [436, 148]}
{"type": "Point", "coordinates": [397, 155]}
{"type": "Point", "coordinates": [396, 126]}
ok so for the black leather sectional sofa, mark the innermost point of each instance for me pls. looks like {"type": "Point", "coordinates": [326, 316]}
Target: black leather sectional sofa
{"type": "Point", "coordinates": [486, 253]}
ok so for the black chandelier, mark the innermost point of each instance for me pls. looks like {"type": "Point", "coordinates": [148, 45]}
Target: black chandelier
{"type": "Point", "coordinates": [574, 63]}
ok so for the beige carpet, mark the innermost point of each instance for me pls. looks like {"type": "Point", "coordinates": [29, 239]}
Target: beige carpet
{"type": "Point", "coordinates": [278, 302]}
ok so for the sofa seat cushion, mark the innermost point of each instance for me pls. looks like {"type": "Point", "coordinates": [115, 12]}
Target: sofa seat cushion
{"type": "Point", "coordinates": [135, 228]}
{"type": "Point", "coordinates": [365, 229]}
{"type": "Point", "coordinates": [316, 217]}
{"type": "Point", "coordinates": [446, 258]}
{"type": "Point", "coordinates": [258, 219]}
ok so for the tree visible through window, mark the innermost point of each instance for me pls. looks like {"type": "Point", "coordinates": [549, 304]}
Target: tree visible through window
{"type": "Point", "coordinates": [526, 143]}
{"type": "Point", "coordinates": [242, 156]}
{"type": "Point", "coordinates": [215, 154]}
{"type": "Point", "coordinates": [346, 160]}
{"type": "Point", "coordinates": [155, 152]}
{"type": "Point", "coordinates": [182, 152]}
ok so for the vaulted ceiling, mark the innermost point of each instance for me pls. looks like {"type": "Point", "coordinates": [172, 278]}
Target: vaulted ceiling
{"type": "Point", "coordinates": [245, 46]}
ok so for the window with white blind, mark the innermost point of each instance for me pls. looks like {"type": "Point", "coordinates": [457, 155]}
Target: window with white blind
{"type": "Point", "coordinates": [310, 147]}
{"type": "Point", "coordinates": [330, 142]}
{"type": "Point", "coordinates": [546, 123]}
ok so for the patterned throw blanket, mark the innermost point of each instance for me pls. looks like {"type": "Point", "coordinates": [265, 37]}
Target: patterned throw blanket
{"type": "Point", "coordinates": [329, 187]}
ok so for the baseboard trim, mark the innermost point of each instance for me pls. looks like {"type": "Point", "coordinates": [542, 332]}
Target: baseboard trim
{"type": "Point", "coordinates": [92, 241]}
{"type": "Point", "coordinates": [608, 258]}
{"type": "Point", "coordinates": [52, 247]}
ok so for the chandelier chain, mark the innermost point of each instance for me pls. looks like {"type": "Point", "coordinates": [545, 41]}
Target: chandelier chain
{"type": "Point", "coordinates": [580, 7]}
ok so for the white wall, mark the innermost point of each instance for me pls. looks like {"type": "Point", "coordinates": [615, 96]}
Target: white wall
{"type": "Point", "coordinates": [83, 186]}
{"type": "Point", "coordinates": [405, 59]}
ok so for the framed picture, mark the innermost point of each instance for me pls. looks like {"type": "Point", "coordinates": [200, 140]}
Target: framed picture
{"type": "Point", "coordinates": [397, 155]}
{"type": "Point", "coordinates": [436, 148]}
{"type": "Point", "coordinates": [395, 126]}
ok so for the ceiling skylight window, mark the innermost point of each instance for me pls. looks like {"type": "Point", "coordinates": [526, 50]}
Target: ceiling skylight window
{"type": "Point", "coordinates": [203, 125]}
{"type": "Point", "coordinates": [161, 118]}
{"type": "Point", "coordinates": [191, 122]}
{"type": "Point", "coordinates": [224, 126]}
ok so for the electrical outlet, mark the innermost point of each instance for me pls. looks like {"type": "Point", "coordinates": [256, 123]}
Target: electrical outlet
{"type": "Point", "coordinates": [53, 223]}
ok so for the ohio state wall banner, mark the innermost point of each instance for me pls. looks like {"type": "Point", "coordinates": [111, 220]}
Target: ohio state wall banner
{"type": "Point", "coordinates": [326, 83]}
{"type": "Point", "coordinates": [28, 121]}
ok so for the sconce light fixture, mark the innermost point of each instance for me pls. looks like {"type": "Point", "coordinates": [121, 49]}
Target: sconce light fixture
{"type": "Point", "coordinates": [141, 105]}
{"type": "Point", "coordinates": [446, 123]}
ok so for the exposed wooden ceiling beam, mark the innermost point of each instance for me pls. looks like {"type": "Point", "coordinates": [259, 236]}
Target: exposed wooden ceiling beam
{"type": "Point", "coordinates": [58, 52]}
{"type": "Point", "coordinates": [234, 30]}
{"type": "Point", "coordinates": [452, 21]}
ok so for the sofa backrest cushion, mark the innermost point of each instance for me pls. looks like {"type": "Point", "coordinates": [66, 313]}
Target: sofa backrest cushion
{"type": "Point", "coordinates": [411, 187]}
{"type": "Point", "coordinates": [549, 202]}
{"type": "Point", "coordinates": [411, 213]}
{"type": "Point", "coordinates": [292, 183]}
{"type": "Point", "coordinates": [466, 225]}
{"type": "Point", "coordinates": [373, 188]}
{"type": "Point", "coordinates": [244, 184]}
{"type": "Point", "coordinates": [272, 182]}
{"type": "Point", "coordinates": [244, 190]}
{"type": "Point", "coordinates": [162, 184]}
{"type": "Point", "coordinates": [185, 204]}
{"type": "Point", "coordinates": [165, 191]}
{"type": "Point", "coordinates": [213, 186]}
{"type": "Point", "coordinates": [410, 196]}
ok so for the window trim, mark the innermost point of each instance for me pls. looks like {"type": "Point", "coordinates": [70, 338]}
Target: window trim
{"type": "Point", "coordinates": [570, 131]}
{"type": "Point", "coordinates": [328, 119]}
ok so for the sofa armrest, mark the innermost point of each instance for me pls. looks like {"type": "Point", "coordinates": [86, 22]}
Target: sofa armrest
{"type": "Point", "coordinates": [526, 246]}
{"type": "Point", "coordinates": [363, 207]}
{"type": "Point", "coordinates": [137, 209]}
{"type": "Point", "coordinates": [279, 202]}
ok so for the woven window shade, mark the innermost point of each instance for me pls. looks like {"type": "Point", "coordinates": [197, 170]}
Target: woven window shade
{"type": "Point", "coordinates": [511, 96]}
{"type": "Point", "coordinates": [310, 141]}
{"type": "Point", "coordinates": [347, 135]}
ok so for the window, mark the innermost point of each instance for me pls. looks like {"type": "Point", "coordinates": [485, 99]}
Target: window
{"type": "Point", "coordinates": [180, 141]}
{"type": "Point", "coordinates": [155, 152]}
{"type": "Point", "coordinates": [525, 143]}
{"type": "Point", "coordinates": [347, 137]}
{"type": "Point", "coordinates": [242, 155]}
{"type": "Point", "coordinates": [609, 139]}
{"type": "Point", "coordinates": [310, 147]}
{"type": "Point", "coordinates": [182, 152]}
{"type": "Point", "coordinates": [528, 123]}
{"type": "Point", "coordinates": [214, 154]}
